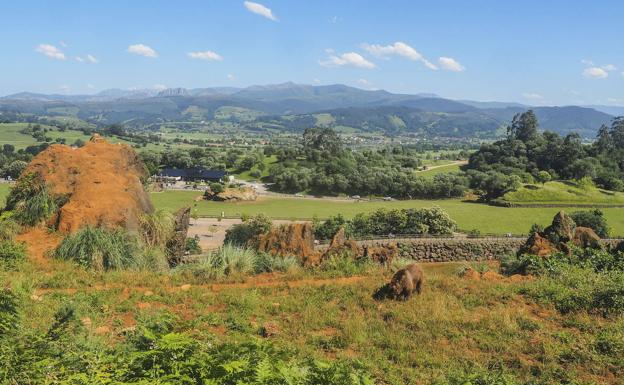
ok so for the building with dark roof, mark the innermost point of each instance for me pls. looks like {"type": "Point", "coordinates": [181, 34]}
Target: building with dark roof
{"type": "Point", "coordinates": [192, 174]}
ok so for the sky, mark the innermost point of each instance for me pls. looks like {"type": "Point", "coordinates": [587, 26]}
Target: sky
{"type": "Point", "coordinates": [535, 52]}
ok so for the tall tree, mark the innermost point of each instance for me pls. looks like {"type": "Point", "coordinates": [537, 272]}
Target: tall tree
{"type": "Point", "coordinates": [523, 126]}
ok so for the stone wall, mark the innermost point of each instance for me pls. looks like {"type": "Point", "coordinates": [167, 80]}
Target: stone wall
{"type": "Point", "coordinates": [450, 250]}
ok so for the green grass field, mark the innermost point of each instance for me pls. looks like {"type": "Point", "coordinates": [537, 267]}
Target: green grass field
{"type": "Point", "coordinates": [487, 219]}
{"type": "Point", "coordinates": [430, 173]}
{"type": "Point", "coordinates": [564, 192]}
{"type": "Point", "coordinates": [268, 162]}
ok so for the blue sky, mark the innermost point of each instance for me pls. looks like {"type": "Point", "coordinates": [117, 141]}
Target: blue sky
{"type": "Point", "coordinates": [536, 52]}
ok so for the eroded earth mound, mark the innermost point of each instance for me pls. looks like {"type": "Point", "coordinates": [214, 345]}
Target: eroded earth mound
{"type": "Point", "coordinates": [100, 183]}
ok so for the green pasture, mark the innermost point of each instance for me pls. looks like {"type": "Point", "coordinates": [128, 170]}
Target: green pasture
{"type": "Point", "coordinates": [557, 192]}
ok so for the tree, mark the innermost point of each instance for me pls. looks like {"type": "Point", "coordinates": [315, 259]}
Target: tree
{"type": "Point", "coordinates": [523, 126]}
{"type": "Point", "coordinates": [322, 139]}
{"type": "Point", "coordinates": [543, 177]}
{"type": "Point", "coordinates": [593, 219]}
{"type": "Point", "coordinates": [14, 169]}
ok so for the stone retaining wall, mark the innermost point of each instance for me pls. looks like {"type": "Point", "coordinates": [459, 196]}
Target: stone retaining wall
{"type": "Point", "coordinates": [451, 250]}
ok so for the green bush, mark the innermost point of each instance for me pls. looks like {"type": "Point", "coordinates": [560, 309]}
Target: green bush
{"type": "Point", "coordinates": [30, 200]}
{"type": "Point", "coordinates": [328, 228]}
{"type": "Point", "coordinates": [9, 311]}
{"type": "Point", "coordinates": [98, 248]}
{"type": "Point", "coordinates": [246, 233]}
{"type": "Point", "coordinates": [11, 253]}
{"type": "Point", "coordinates": [192, 245]}
{"type": "Point", "coordinates": [593, 219]}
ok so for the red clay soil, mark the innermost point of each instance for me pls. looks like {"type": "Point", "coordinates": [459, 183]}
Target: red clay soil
{"type": "Point", "coordinates": [38, 241]}
{"type": "Point", "coordinates": [102, 182]}
{"type": "Point", "coordinates": [291, 239]}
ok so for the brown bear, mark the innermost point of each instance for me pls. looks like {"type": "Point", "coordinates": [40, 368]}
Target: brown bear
{"type": "Point", "coordinates": [406, 281]}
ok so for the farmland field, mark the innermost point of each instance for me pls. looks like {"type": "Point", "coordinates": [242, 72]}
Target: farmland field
{"type": "Point", "coordinates": [487, 219]}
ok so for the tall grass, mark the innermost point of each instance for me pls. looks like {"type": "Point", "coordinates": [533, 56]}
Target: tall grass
{"type": "Point", "coordinates": [31, 200]}
{"type": "Point", "coordinates": [98, 248]}
{"type": "Point", "coordinates": [9, 228]}
{"type": "Point", "coordinates": [156, 228]}
{"type": "Point", "coordinates": [231, 260]}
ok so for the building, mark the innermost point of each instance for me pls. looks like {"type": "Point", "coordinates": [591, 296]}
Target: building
{"type": "Point", "coordinates": [194, 174]}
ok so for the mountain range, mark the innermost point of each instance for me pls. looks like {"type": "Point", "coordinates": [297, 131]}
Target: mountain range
{"type": "Point", "coordinates": [294, 107]}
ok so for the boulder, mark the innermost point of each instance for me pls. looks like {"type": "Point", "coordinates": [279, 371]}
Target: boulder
{"type": "Point", "coordinates": [340, 245]}
{"type": "Point", "coordinates": [176, 245]}
{"type": "Point", "coordinates": [292, 239]}
{"type": "Point", "coordinates": [538, 245]}
{"type": "Point", "coordinates": [384, 255]}
{"type": "Point", "coordinates": [237, 194]}
{"type": "Point", "coordinates": [586, 237]}
{"type": "Point", "coordinates": [561, 229]}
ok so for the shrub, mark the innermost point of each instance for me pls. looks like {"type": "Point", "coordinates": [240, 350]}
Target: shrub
{"type": "Point", "coordinates": [192, 245]}
{"type": "Point", "coordinates": [234, 260]}
{"type": "Point", "coordinates": [152, 259]}
{"type": "Point", "coordinates": [328, 228]}
{"type": "Point", "coordinates": [246, 233]}
{"type": "Point", "coordinates": [216, 188]}
{"type": "Point", "coordinates": [9, 311]}
{"type": "Point", "coordinates": [593, 219]}
{"type": "Point", "coordinates": [406, 221]}
{"type": "Point", "coordinates": [11, 253]}
{"type": "Point", "coordinates": [99, 248]}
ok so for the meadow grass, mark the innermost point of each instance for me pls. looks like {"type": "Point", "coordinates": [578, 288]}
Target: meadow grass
{"type": "Point", "coordinates": [564, 192]}
{"type": "Point", "coordinates": [429, 174]}
{"type": "Point", "coordinates": [456, 326]}
{"type": "Point", "coordinates": [469, 216]}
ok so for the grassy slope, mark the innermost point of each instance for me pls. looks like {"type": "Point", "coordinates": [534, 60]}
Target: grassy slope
{"type": "Point", "coordinates": [268, 162]}
{"type": "Point", "coordinates": [10, 134]}
{"type": "Point", "coordinates": [455, 325]}
{"type": "Point", "coordinates": [488, 219]}
{"type": "Point", "coordinates": [563, 192]}
{"type": "Point", "coordinates": [429, 174]}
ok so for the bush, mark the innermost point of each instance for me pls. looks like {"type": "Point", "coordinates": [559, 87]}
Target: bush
{"type": "Point", "coordinates": [246, 233]}
{"type": "Point", "coordinates": [216, 188]}
{"type": "Point", "coordinates": [30, 200]}
{"type": "Point", "coordinates": [11, 253]}
{"type": "Point", "coordinates": [593, 219]}
{"type": "Point", "coordinates": [9, 311]}
{"type": "Point", "coordinates": [328, 228]}
{"type": "Point", "coordinates": [98, 248]}
{"type": "Point", "coordinates": [192, 245]}
{"type": "Point", "coordinates": [406, 221]}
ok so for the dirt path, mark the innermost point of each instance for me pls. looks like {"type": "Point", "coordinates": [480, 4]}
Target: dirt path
{"type": "Point", "coordinates": [39, 241]}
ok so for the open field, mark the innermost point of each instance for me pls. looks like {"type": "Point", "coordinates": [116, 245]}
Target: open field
{"type": "Point", "coordinates": [487, 219]}
{"type": "Point", "coordinates": [564, 192]}
{"type": "Point", "coordinates": [439, 169]}
{"type": "Point", "coordinates": [456, 326]}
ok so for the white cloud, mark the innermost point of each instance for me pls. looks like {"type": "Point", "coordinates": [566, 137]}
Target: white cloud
{"type": "Point", "coordinates": [90, 86]}
{"type": "Point", "coordinates": [364, 81]}
{"type": "Point", "coordinates": [316, 81]}
{"type": "Point", "coordinates": [398, 49]}
{"type": "Point", "coordinates": [205, 55]}
{"type": "Point", "coordinates": [609, 67]}
{"type": "Point", "coordinates": [89, 58]}
{"type": "Point", "coordinates": [142, 49]}
{"type": "Point", "coordinates": [595, 73]}
{"type": "Point", "coordinates": [231, 77]}
{"type": "Point", "coordinates": [64, 88]}
{"type": "Point", "coordinates": [587, 62]}
{"type": "Point", "coordinates": [50, 51]}
{"type": "Point", "coordinates": [159, 87]}
{"type": "Point", "coordinates": [334, 19]}
{"type": "Point", "coordinates": [260, 9]}
{"type": "Point", "coordinates": [532, 96]}
{"type": "Point", "coordinates": [63, 44]}
{"type": "Point", "coordinates": [448, 63]}
{"type": "Point", "coordinates": [347, 59]}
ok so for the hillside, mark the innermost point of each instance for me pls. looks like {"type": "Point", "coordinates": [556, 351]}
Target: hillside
{"type": "Point", "coordinates": [288, 107]}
